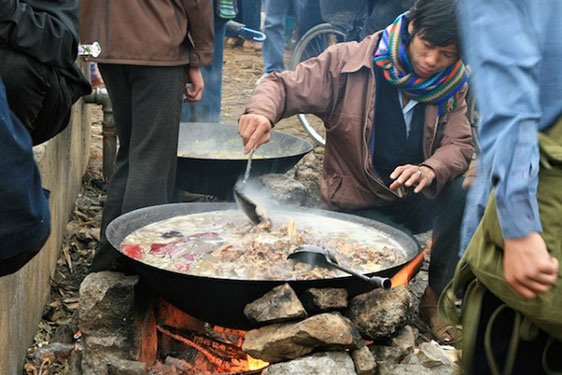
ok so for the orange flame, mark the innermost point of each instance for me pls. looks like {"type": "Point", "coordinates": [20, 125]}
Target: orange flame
{"type": "Point", "coordinates": [256, 364]}
{"type": "Point", "coordinates": [409, 270]}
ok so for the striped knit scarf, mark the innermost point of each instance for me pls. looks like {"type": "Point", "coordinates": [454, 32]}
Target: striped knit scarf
{"type": "Point", "coordinates": [442, 89]}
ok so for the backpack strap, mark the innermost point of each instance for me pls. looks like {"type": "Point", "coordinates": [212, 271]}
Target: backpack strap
{"type": "Point", "coordinates": [472, 307]}
{"type": "Point", "coordinates": [545, 365]}
{"type": "Point", "coordinates": [513, 342]}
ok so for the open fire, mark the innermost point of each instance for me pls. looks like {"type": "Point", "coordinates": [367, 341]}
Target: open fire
{"type": "Point", "coordinates": [191, 346]}
{"type": "Point", "coordinates": [403, 276]}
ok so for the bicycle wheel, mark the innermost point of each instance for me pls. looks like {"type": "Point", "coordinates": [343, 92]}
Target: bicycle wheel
{"type": "Point", "coordinates": [312, 44]}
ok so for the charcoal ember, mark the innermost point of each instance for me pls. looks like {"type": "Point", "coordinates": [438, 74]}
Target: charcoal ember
{"type": "Point", "coordinates": [379, 313]}
{"type": "Point", "coordinates": [160, 368]}
{"type": "Point", "coordinates": [117, 366]}
{"type": "Point", "coordinates": [279, 342]}
{"type": "Point", "coordinates": [317, 300]}
{"type": "Point", "coordinates": [179, 364]}
{"type": "Point", "coordinates": [327, 363]}
{"type": "Point", "coordinates": [279, 305]}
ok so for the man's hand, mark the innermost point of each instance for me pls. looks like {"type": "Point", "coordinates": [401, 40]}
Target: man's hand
{"type": "Point", "coordinates": [193, 76]}
{"type": "Point", "coordinates": [255, 130]}
{"type": "Point", "coordinates": [409, 175]}
{"type": "Point", "coordinates": [527, 265]}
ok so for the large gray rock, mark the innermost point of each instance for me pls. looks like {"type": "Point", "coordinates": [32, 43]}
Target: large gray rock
{"type": "Point", "coordinates": [405, 340]}
{"type": "Point", "coordinates": [114, 320]}
{"type": "Point", "coordinates": [279, 305]}
{"type": "Point", "coordinates": [379, 313]}
{"type": "Point", "coordinates": [387, 368]}
{"type": "Point", "coordinates": [279, 342]}
{"type": "Point", "coordinates": [326, 363]}
{"type": "Point", "coordinates": [326, 299]}
{"type": "Point", "coordinates": [432, 355]}
{"type": "Point", "coordinates": [106, 303]}
{"type": "Point", "coordinates": [364, 361]}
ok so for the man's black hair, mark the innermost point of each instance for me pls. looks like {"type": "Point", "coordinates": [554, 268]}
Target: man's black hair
{"type": "Point", "coordinates": [435, 21]}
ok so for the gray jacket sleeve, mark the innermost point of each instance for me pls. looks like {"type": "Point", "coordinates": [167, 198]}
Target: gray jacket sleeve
{"type": "Point", "coordinates": [43, 29]}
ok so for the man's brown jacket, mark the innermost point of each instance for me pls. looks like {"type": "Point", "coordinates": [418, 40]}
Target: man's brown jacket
{"type": "Point", "coordinates": [339, 87]}
{"type": "Point", "coordinates": [148, 32]}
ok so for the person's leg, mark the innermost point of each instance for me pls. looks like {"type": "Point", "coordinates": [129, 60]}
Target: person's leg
{"type": "Point", "coordinates": [383, 13]}
{"type": "Point", "coordinates": [156, 97]}
{"type": "Point", "coordinates": [449, 208]}
{"type": "Point", "coordinates": [116, 78]}
{"type": "Point", "coordinates": [447, 211]}
{"type": "Point", "coordinates": [308, 15]}
{"type": "Point", "coordinates": [208, 109]}
{"type": "Point", "coordinates": [273, 46]}
{"type": "Point", "coordinates": [251, 16]}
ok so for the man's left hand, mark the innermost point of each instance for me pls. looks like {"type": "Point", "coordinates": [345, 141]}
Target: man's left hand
{"type": "Point", "coordinates": [194, 76]}
{"type": "Point", "coordinates": [410, 175]}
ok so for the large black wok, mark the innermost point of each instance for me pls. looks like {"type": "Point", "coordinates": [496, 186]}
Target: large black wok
{"type": "Point", "coordinates": [222, 301]}
{"type": "Point", "coordinates": [205, 167]}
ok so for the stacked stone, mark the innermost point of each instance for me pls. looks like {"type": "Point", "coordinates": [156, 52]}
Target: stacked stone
{"type": "Point", "coordinates": [322, 334]}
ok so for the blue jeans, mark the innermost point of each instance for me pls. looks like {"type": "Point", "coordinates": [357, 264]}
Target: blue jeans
{"type": "Point", "coordinates": [208, 109]}
{"type": "Point", "coordinates": [308, 15]}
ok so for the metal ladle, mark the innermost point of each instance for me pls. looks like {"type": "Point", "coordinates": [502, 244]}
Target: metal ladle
{"type": "Point", "coordinates": [246, 205]}
{"type": "Point", "coordinates": [318, 256]}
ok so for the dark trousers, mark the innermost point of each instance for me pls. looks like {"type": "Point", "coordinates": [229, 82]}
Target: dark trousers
{"type": "Point", "coordinates": [382, 13]}
{"type": "Point", "coordinates": [419, 214]}
{"type": "Point", "coordinates": [529, 354]}
{"type": "Point", "coordinates": [37, 94]}
{"type": "Point", "coordinates": [249, 13]}
{"type": "Point", "coordinates": [146, 104]}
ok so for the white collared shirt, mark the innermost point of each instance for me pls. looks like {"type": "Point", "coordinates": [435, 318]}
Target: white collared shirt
{"type": "Point", "coordinates": [407, 112]}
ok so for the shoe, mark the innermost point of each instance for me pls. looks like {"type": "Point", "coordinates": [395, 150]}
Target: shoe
{"type": "Point", "coordinates": [233, 42]}
{"type": "Point", "coordinates": [443, 333]}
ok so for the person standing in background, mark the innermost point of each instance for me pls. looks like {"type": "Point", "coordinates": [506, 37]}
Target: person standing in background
{"type": "Point", "coordinates": [382, 13]}
{"type": "Point", "coordinates": [249, 14]}
{"type": "Point", "coordinates": [149, 51]}
{"type": "Point", "coordinates": [308, 16]}
{"type": "Point", "coordinates": [208, 109]}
